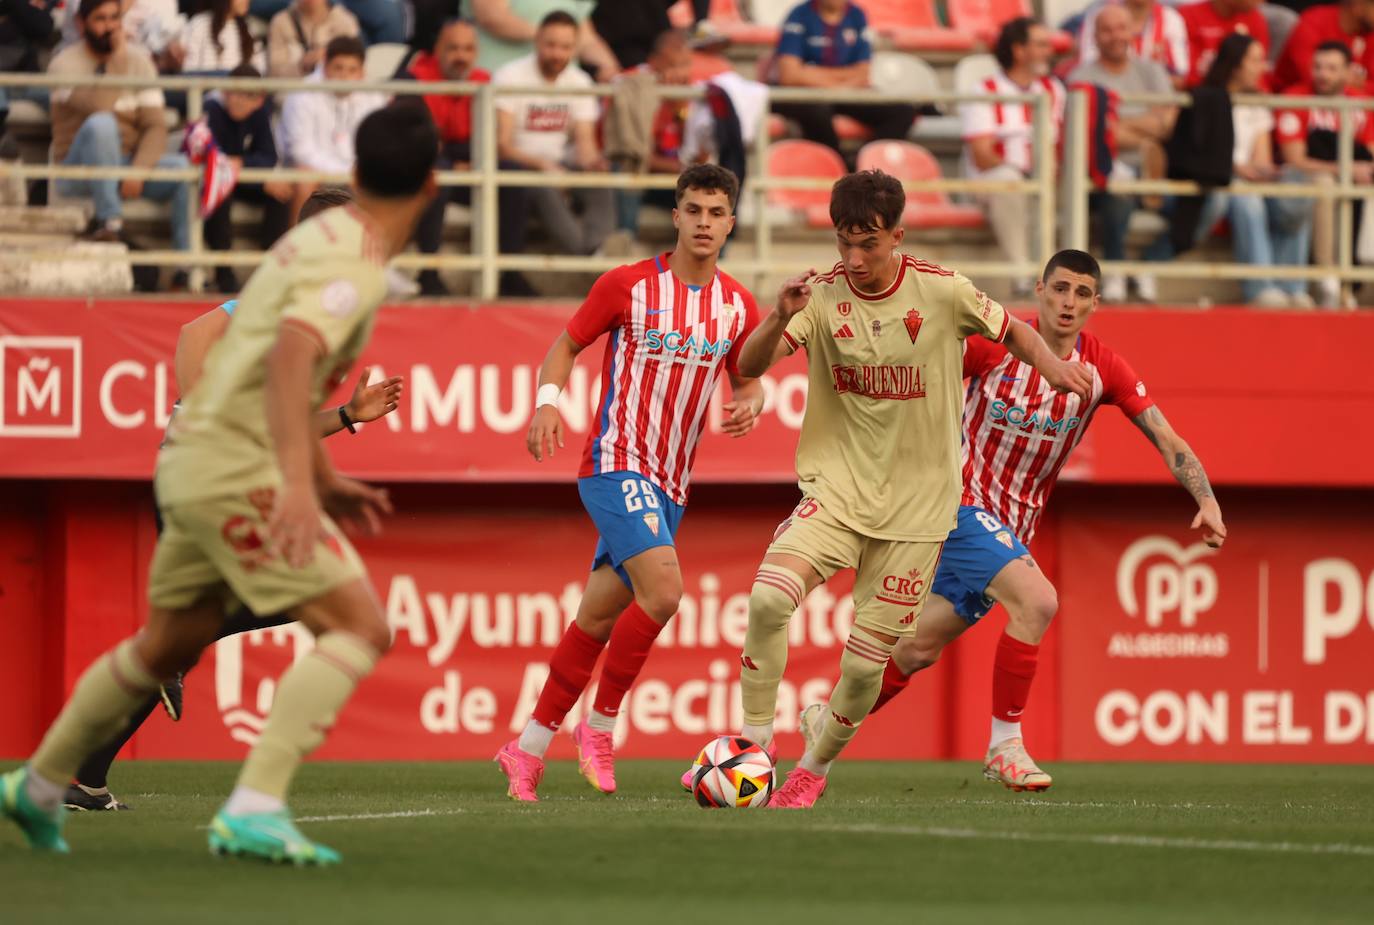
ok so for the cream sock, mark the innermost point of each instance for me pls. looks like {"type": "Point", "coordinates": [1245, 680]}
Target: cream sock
{"type": "Point", "coordinates": [309, 697]}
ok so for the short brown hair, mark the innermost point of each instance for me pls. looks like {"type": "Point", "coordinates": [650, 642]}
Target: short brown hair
{"type": "Point", "coordinates": [869, 200]}
{"type": "Point", "coordinates": [708, 177]}
{"type": "Point", "coordinates": [345, 46]}
{"type": "Point", "coordinates": [326, 198]}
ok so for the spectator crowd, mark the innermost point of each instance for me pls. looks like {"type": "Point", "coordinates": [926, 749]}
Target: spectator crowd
{"type": "Point", "coordinates": [1212, 50]}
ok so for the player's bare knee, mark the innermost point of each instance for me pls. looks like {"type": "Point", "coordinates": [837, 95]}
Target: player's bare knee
{"type": "Point", "coordinates": [660, 603]}
{"type": "Point", "coordinates": [911, 656]}
{"type": "Point", "coordinates": [1033, 615]}
{"type": "Point", "coordinates": [352, 609]}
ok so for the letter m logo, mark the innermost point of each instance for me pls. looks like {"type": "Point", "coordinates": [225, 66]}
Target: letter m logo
{"type": "Point", "coordinates": [40, 386]}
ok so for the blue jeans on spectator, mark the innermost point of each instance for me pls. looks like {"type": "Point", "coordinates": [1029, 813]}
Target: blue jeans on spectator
{"type": "Point", "coordinates": [380, 20]}
{"type": "Point", "coordinates": [1259, 236]}
{"type": "Point", "coordinates": [1115, 214]}
{"type": "Point", "coordinates": [1263, 232]}
{"type": "Point", "coordinates": [97, 145]}
{"type": "Point", "coordinates": [37, 95]}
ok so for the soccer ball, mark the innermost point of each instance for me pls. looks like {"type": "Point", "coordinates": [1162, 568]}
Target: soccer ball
{"type": "Point", "coordinates": [733, 772]}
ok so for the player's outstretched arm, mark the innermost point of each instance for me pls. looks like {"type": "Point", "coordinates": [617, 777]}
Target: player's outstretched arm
{"type": "Point", "coordinates": [744, 407]}
{"type": "Point", "coordinates": [546, 427]}
{"type": "Point", "coordinates": [766, 346]}
{"type": "Point", "coordinates": [1187, 468]}
{"type": "Point", "coordinates": [193, 343]}
{"type": "Point", "coordinates": [369, 402]}
{"type": "Point", "coordinates": [1024, 343]}
{"type": "Point", "coordinates": [295, 524]}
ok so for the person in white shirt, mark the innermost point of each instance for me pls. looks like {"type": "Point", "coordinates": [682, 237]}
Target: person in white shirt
{"type": "Point", "coordinates": [218, 40]}
{"type": "Point", "coordinates": [999, 138]}
{"type": "Point", "coordinates": [554, 134]}
{"type": "Point", "coordinates": [317, 128]}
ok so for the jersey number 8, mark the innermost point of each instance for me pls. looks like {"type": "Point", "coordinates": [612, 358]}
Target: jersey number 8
{"type": "Point", "coordinates": [638, 495]}
{"type": "Point", "coordinates": [989, 522]}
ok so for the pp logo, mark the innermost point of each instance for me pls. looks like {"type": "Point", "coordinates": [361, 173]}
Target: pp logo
{"type": "Point", "coordinates": [1173, 580]}
{"type": "Point", "coordinates": [40, 386]}
{"type": "Point", "coordinates": [245, 682]}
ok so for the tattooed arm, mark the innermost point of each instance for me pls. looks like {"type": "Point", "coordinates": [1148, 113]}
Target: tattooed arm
{"type": "Point", "coordinates": [1186, 467]}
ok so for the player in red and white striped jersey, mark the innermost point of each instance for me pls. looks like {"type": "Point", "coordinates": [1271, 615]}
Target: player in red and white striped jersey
{"type": "Point", "coordinates": [1018, 433]}
{"type": "Point", "coordinates": [674, 324]}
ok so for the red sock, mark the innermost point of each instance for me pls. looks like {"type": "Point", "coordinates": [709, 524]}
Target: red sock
{"type": "Point", "coordinates": [1013, 670]}
{"type": "Point", "coordinates": [894, 682]}
{"type": "Point", "coordinates": [631, 640]}
{"type": "Point", "coordinates": [569, 671]}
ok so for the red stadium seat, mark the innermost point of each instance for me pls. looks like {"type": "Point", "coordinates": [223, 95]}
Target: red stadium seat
{"type": "Point", "coordinates": [730, 22]}
{"type": "Point", "coordinates": [912, 26]}
{"type": "Point", "coordinates": [985, 18]}
{"type": "Point", "coordinates": [804, 159]}
{"type": "Point", "coordinates": [907, 161]}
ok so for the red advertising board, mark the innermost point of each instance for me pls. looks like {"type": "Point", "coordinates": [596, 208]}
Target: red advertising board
{"type": "Point", "coordinates": [86, 388]}
{"type": "Point", "coordinates": [479, 600]}
{"type": "Point", "coordinates": [1258, 652]}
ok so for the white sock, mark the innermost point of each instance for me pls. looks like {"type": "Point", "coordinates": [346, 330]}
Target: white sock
{"type": "Point", "coordinates": [245, 801]}
{"type": "Point", "coordinates": [601, 722]}
{"type": "Point", "coordinates": [46, 795]}
{"type": "Point", "coordinates": [759, 735]}
{"type": "Point", "coordinates": [809, 763]}
{"type": "Point", "coordinates": [536, 739]}
{"type": "Point", "coordinates": [1001, 731]}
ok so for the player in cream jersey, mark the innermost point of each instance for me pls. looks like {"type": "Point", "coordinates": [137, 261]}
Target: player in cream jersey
{"type": "Point", "coordinates": [878, 456]}
{"type": "Point", "coordinates": [244, 486]}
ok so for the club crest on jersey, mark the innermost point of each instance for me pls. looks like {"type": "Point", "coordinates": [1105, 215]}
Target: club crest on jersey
{"type": "Point", "coordinates": [913, 324]}
{"type": "Point", "coordinates": [651, 521]}
{"type": "Point", "coordinates": [1005, 539]}
{"type": "Point", "coordinates": [844, 309]}
{"type": "Point", "coordinates": [877, 327]}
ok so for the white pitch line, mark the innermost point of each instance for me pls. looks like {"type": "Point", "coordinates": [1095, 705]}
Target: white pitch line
{"type": "Point", "coordinates": [1122, 804]}
{"type": "Point", "coordinates": [1128, 841]}
{"type": "Point", "coordinates": [401, 814]}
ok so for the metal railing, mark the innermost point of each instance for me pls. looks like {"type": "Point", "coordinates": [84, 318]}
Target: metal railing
{"type": "Point", "coordinates": [485, 176]}
{"type": "Point", "coordinates": [1078, 187]}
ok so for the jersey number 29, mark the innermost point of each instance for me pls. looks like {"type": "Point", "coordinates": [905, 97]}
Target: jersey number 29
{"type": "Point", "coordinates": [638, 495]}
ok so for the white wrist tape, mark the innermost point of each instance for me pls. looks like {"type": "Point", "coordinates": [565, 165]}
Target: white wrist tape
{"type": "Point", "coordinates": [547, 395]}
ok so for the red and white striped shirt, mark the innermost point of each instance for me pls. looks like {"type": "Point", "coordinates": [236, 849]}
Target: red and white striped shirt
{"type": "Point", "coordinates": [1019, 432]}
{"type": "Point", "coordinates": [668, 344]}
{"type": "Point", "coordinates": [1012, 125]}
{"type": "Point", "coordinates": [1164, 39]}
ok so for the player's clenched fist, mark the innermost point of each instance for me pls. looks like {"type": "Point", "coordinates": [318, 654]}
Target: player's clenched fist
{"type": "Point", "coordinates": [295, 525]}
{"type": "Point", "coordinates": [546, 432]}
{"type": "Point", "coordinates": [794, 294]}
{"type": "Point", "coordinates": [1071, 377]}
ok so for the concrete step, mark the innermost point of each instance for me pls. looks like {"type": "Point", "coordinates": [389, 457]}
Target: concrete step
{"type": "Point", "coordinates": [24, 219]}
{"type": "Point", "coordinates": [91, 269]}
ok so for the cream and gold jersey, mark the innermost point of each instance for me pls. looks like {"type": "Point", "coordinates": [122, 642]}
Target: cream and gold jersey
{"type": "Point", "coordinates": [879, 444]}
{"type": "Point", "coordinates": [326, 279]}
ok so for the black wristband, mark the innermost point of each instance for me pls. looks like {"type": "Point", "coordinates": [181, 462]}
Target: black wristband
{"type": "Point", "coordinates": [347, 421]}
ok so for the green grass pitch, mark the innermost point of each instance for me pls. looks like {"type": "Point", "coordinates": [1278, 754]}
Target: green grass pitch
{"type": "Point", "coordinates": [891, 842]}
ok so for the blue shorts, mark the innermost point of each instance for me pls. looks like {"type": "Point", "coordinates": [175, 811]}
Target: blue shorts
{"type": "Point", "coordinates": [631, 514]}
{"type": "Point", "coordinates": [978, 548]}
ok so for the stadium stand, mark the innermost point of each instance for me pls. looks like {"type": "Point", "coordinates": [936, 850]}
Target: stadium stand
{"type": "Point", "coordinates": [906, 160]}
{"type": "Point", "coordinates": [914, 26]}
{"type": "Point", "coordinates": [796, 158]}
